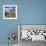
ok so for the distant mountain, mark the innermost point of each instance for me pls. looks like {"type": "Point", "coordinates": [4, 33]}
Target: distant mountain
{"type": "Point", "coordinates": [10, 9]}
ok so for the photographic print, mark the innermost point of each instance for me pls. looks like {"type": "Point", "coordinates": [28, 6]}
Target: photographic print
{"type": "Point", "coordinates": [32, 32]}
{"type": "Point", "coordinates": [9, 11]}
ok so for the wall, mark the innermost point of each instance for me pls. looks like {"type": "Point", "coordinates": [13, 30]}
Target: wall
{"type": "Point", "coordinates": [29, 12]}
{"type": "Point", "coordinates": [33, 12]}
{"type": "Point", "coordinates": [7, 26]}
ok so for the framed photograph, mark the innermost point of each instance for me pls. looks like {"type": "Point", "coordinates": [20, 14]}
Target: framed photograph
{"type": "Point", "coordinates": [33, 32]}
{"type": "Point", "coordinates": [9, 11]}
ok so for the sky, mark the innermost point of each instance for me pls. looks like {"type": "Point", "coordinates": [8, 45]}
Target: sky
{"type": "Point", "coordinates": [10, 9]}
